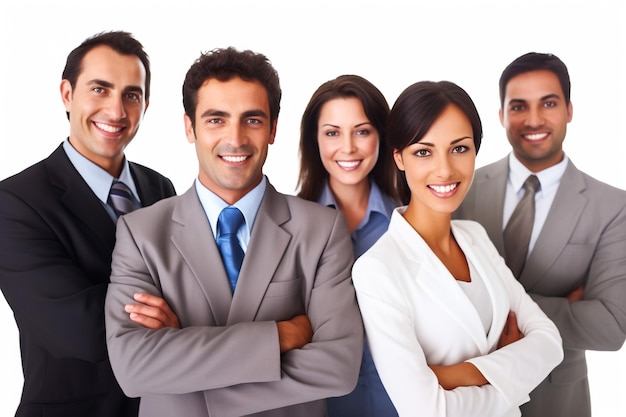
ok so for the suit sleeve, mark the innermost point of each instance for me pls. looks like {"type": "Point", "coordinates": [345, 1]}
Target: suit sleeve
{"type": "Point", "coordinates": [55, 302]}
{"type": "Point", "coordinates": [329, 365]}
{"type": "Point", "coordinates": [177, 361]}
{"type": "Point", "coordinates": [598, 322]}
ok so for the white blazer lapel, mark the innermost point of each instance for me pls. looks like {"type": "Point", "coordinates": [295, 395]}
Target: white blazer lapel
{"type": "Point", "coordinates": [435, 279]}
{"type": "Point", "coordinates": [482, 260]}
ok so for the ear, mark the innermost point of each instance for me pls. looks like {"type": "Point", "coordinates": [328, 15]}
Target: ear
{"type": "Point", "coordinates": [397, 157]}
{"type": "Point", "coordinates": [570, 112]}
{"type": "Point", "coordinates": [501, 115]}
{"type": "Point", "coordinates": [66, 94]}
{"type": "Point", "coordinates": [189, 130]}
{"type": "Point", "coordinates": [273, 132]}
{"type": "Point", "coordinates": [146, 108]}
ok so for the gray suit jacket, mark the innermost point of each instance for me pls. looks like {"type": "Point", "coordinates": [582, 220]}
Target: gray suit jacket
{"type": "Point", "coordinates": [225, 361]}
{"type": "Point", "coordinates": [583, 242]}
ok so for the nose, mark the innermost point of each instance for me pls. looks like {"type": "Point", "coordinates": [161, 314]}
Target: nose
{"type": "Point", "coordinates": [235, 135]}
{"type": "Point", "coordinates": [115, 107]}
{"type": "Point", "coordinates": [535, 117]}
{"type": "Point", "coordinates": [347, 144]}
{"type": "Point", "coordinates": [444, 168]}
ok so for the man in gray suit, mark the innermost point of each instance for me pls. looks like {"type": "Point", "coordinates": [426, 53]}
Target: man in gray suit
{"type": "Point", "coordinates": [289, 334]}
{"type": "Point", "coordinates": [576, 263]}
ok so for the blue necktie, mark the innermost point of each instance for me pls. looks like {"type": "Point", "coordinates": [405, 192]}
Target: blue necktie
{"type": "Point", "coordinates": [121, 199]}
{"type": "Point", "coordinates": [229, 222]}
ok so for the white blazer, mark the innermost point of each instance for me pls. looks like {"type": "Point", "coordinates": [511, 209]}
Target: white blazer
{"type": "Point", "coordinates": [415, 314]}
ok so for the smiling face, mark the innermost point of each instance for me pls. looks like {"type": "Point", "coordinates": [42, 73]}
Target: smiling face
{"type": "Point", "coordinates": [440, 167]}
{"type": "Point", "coordinates": [232, 134]}
{"type": "Point", "coordinates": [348, 142]}
{"type": "Point", "coordinates": [105, 106]}
{"type": "Point", "coordinates": [535, 117]}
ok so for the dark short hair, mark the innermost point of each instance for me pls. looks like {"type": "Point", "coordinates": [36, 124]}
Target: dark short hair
{"type": "Point", "coordinates": [534, 61]}
{"type": "Point", "coordinates": [120, 41]}
{"type": "Point", "coordinates": [376, 108]}
{"type": "Point", "coordinates": [416, 110]}
{"type": "Point", "coordinates": [224, 64]}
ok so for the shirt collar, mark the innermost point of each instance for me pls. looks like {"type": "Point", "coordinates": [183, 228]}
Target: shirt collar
{"type": "Point", "coordinates": [98, 179]}
{"type": "Point", "coordinates": [376, 201]}
{"type": "Point", "coordinates": [548, 178]}
{"type": "Point", "coordinates": [249, 205]}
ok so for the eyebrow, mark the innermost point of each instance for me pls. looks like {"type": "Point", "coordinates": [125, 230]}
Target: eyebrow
{"type": "Point", "coordinates": [453, 142]}
{"type": "Point", "coordinates": [244, 115]}
{"type": "Point", "coordinates": [544, 98]}
{"type": "Point", "coordinates": [356, 125]}
{"type": "Point", "coordinates": [107, 84]}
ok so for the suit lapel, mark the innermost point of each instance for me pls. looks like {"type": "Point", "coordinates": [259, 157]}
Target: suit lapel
{"type": "Point", "coordinates": [268, 244]}
{"type": "Point", "coordinates": [489, 200]}
{"type": "Point", "coordinates": [79, 199]}
{"type": "Point", "coordinates": [193, 238]}
{"type": "Point", "coordinates": [563, 217]}
{"type": "Point", "coordinates": [147, 188]}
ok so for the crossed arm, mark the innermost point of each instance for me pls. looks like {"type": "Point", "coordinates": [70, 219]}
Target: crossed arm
{"type": "Point", "coordinates": [154, 313]}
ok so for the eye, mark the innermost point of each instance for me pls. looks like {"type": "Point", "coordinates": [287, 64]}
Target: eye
{"type": "Point", "coordinates": [98, 90]}
{"type": "Point", "coordinates": [549, 104]}
{"type": "Point", "coordinates": [214, 121]}
{"type": "Point", "coordinates": [254, 121]}
{"type": "Point", "coordinates": [331, 133]}
{"type": "Point", "coordinates": [133, 96]}
{"type": "Point", "coordinates": [517, 107]}
{"type": "Point", "coordinates": [422, 153]}
{"type": "Point", "coordinates": [460, 149]}
{"type": "Point", "coordinates": [362, 132]}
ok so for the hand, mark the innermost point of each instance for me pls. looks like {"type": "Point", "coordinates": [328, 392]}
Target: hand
{"type": "Point", "coordinates": [294, 333]}
{"type": "Point", "coordinates": [463, 374]}
{"type": "Point", "coordinates": [511, 333]}
{"type": "Point", "coordinates": [576, 295]}
{"type": "Point", "coordinates": [152, 312]}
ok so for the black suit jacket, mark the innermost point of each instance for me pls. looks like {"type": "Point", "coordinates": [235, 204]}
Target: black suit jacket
{"type": "Point", "coordinates": [55, 263]}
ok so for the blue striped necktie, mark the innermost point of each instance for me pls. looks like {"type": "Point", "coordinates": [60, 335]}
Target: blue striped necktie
{"type": "Point", "coordinates": [228, 223]}
{"type": "Point", "coordinates": [121, 199]}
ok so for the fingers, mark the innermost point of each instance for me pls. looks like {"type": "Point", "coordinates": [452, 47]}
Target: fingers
{"type": "Point", "coordinates": [152, 312]}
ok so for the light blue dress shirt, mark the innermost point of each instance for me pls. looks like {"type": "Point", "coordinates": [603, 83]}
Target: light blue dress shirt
{"type": "Point", "coordinates": [98, 179]}
{"type": "Point", "coordinates": [369, 398]}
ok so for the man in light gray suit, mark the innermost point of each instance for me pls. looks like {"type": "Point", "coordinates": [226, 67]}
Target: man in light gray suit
{"type": "Point", "coordinates": [289, 334]}
{"type": "Point", "coordinates": [576, 263]}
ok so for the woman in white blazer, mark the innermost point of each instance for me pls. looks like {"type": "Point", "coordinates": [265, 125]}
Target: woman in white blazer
{"type": "Point", "coordinates": [451, 331]}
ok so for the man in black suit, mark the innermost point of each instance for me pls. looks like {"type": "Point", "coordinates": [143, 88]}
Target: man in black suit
{"type": "Point", "coordinates": [58, 233]}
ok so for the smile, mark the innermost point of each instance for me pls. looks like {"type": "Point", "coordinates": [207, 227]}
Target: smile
{"type": "Point", "coordinates": [535, 136]}
{"type": "Point", "coordinates": [442, 189]}
{"type": "Point", "coordinates": [349, 164]}
{"type": "Point", "coordinates": [234, 158]}
{"type": "Point", "coordinates": [108, 128]}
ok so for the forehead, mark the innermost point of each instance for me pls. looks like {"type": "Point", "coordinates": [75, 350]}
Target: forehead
{"type": "Point", "coordinates": [533, 85]}
{"type": "Point", "coordinates": [234, 96]}
{"type": "Point", "coordinates": [104, 63]}
{"type": "Point", "coordinates": [343, 107]}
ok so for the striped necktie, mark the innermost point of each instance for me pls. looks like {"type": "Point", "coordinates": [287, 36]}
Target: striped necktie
{"type": "Point", "coordinates": [121, 199]}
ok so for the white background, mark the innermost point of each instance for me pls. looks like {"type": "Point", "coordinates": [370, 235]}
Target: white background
{"type": "Point", "coordinates": [390, 42]}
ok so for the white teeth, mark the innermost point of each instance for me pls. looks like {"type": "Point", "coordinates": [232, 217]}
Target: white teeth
{"type": "Point", "coordinates": [234, 158]}
{"type": "Point", "coordinates": [535, 136]}
{"type": "Point", "coordinates": [348, 164]}
{"type": "Point", "coordinates": [109, 128]}
{"type": "Point", "coordinates": [443, 188]}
